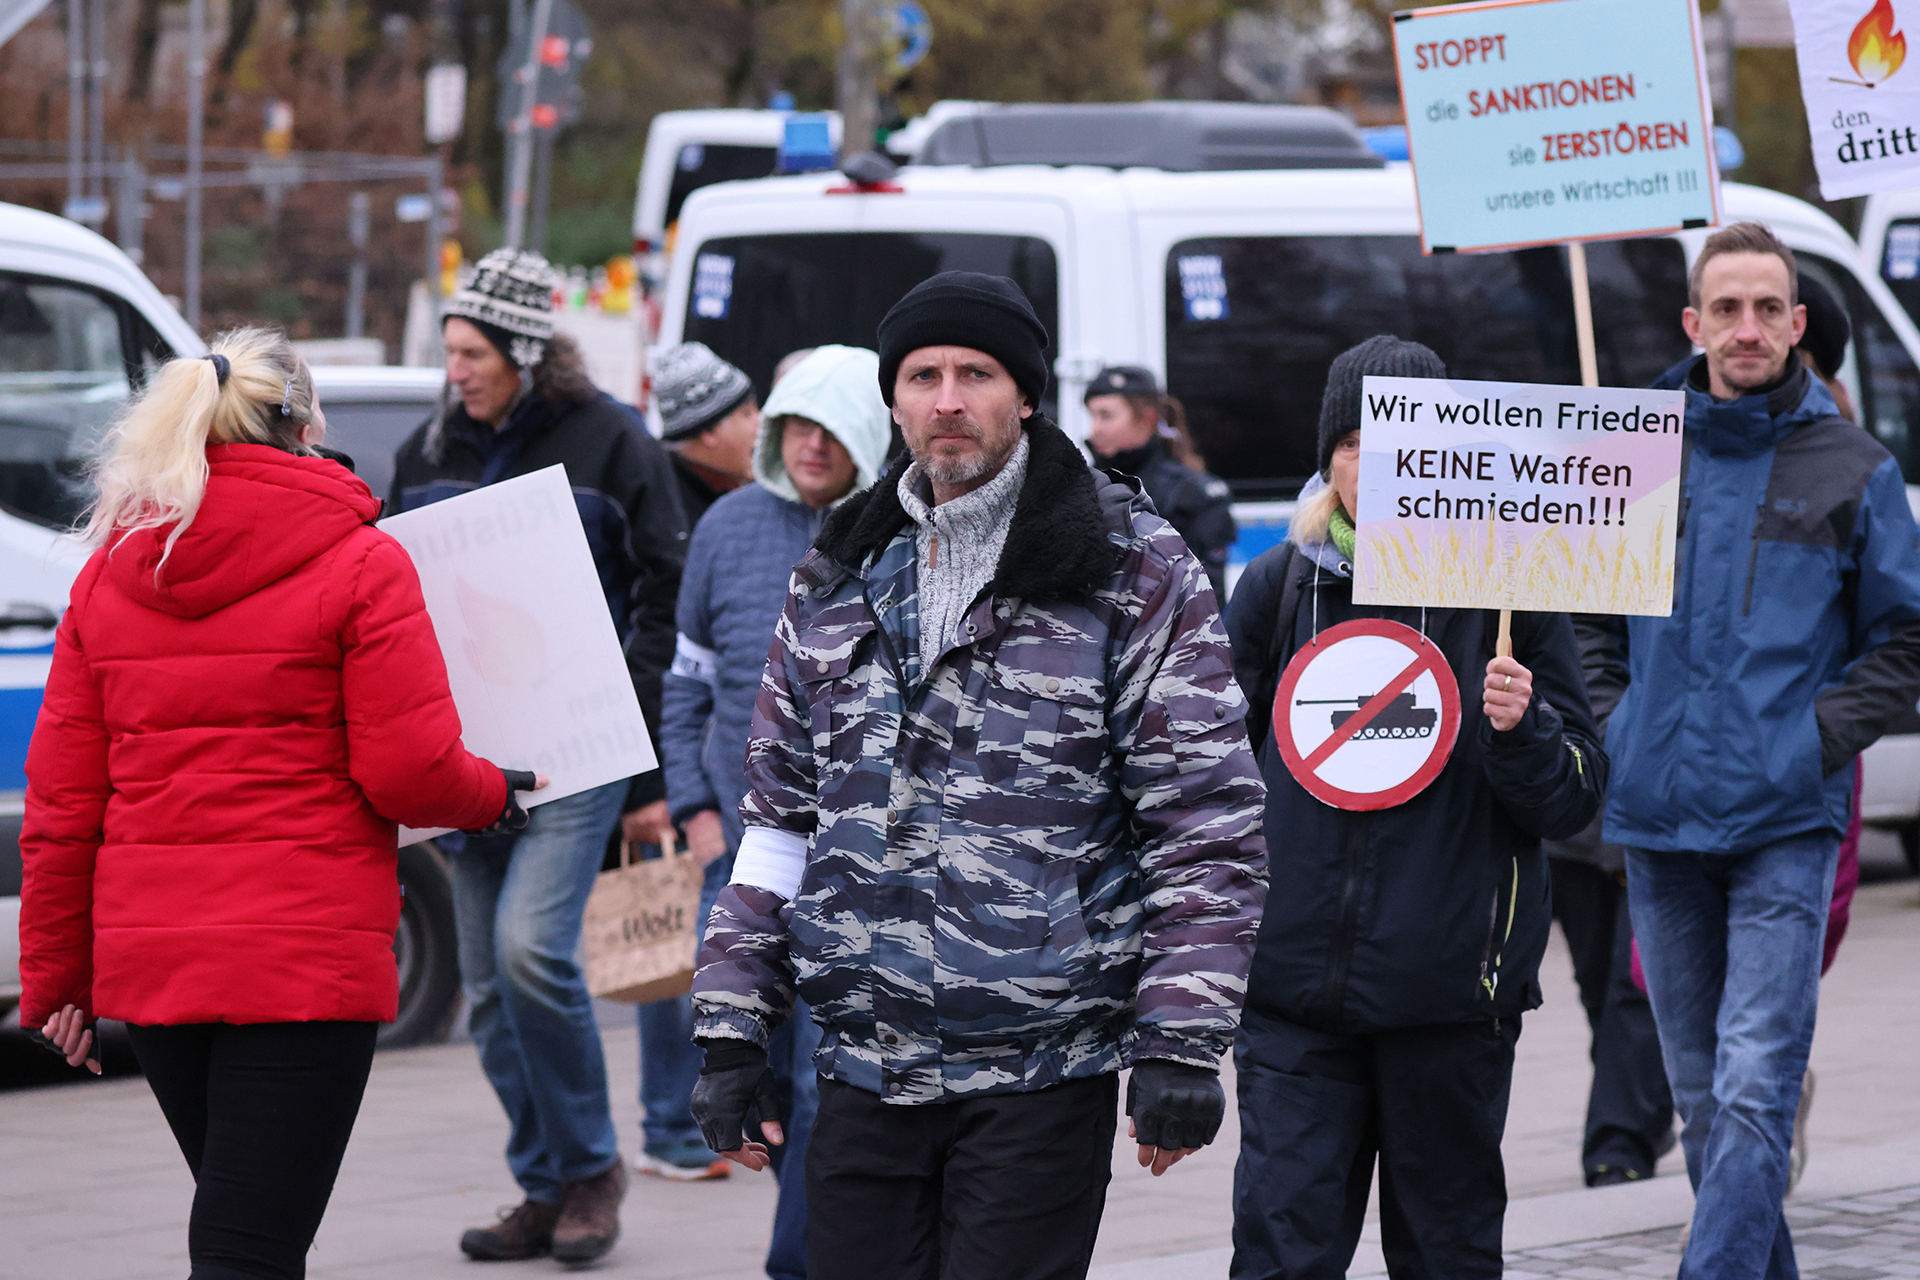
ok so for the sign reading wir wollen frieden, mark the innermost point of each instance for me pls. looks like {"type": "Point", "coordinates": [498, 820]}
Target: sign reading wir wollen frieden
{"type": "Point", "coordinates": [1863, 102]}
{"type": "Point", "coordinates": [1508, 495]}
{"type": "Point", "coordinates": [1540, 121]}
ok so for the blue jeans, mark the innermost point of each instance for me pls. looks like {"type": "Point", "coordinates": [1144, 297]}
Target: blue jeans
{"type": "Point", "coordinates": [667, 1092]}
{"type": "Point", "coordinates": [1731, 947]}
{"type": "Point", "coordinates": [669, 1059]}
{"type": "Point", "coordinates": [517, 904]}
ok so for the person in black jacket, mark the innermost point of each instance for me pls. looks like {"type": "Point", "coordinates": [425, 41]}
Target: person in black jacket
{"type": "Point", "coordinates": [519, 400]}
{"type": "Point", "coordinates": [1629, 1105]}
{"type": "Point", "coordinates": [1134, 429]}
{"type": "Point", "coordinates": [709, 422]}
{"type": "Point", "coordinates": [1400, 946]}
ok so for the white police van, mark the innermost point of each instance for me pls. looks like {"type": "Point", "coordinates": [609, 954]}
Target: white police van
{"type": "Point", "coordinates": [80, 328]}
{"type": "Point", "coordinates": [1214, 244]}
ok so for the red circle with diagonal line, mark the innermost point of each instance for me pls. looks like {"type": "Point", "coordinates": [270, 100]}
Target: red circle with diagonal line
{"type": "Point", "coordinates": [1367, 714]}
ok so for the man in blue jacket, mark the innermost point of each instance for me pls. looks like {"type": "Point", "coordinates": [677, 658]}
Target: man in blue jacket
{"type": "Point", "coordinates": [1794, 642]}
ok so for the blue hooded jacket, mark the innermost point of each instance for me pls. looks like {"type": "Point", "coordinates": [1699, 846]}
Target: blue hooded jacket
{"type": "Point", "coordinates": [1794, 640]}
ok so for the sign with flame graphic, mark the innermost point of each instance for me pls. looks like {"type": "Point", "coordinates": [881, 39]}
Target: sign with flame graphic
{"type": "Point", "coordinates": [532, 657]}
{"type": "Point", "coordinates": [1863, 113]}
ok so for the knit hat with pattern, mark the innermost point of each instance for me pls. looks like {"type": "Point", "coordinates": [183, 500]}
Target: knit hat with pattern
{"type": "Point", "coordinates": [1382, 355]}
{"type": "Point", "coordinates": [695, 389]}
{"type": "Point", "coordinates": [510, 299]}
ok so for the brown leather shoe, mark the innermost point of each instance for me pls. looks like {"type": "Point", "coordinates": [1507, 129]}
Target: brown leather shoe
{"type": "Point", "coordinates": [523, 1232]}
{"type": "Point", "coordinates": [590, 1215]}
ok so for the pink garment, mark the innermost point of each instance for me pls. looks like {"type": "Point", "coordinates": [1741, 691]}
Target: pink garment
{"type": "Point", "coordinates": [1846, 878]}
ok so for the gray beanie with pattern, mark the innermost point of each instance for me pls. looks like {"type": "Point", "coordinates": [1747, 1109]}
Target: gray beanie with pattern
{"type": "Point", "coordinates": [695, 389]}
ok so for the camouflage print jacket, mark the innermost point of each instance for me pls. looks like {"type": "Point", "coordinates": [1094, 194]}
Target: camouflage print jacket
{"type": "Point", "coordinates": [1038, 862]}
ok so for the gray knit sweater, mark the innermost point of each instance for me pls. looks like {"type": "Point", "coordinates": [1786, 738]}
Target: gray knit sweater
{"type": "Point", "coordinates": [959, 547]}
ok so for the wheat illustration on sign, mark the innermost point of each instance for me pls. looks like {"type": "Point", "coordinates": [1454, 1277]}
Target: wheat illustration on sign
{"type": "Point", "coordinates": [1875, 49]}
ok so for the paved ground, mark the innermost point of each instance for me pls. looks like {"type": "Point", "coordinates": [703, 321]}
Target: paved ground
{"type": "Point", "coordinates": [92, 1187]}
{"type": "Point", "coordinates": [1860, 1238]}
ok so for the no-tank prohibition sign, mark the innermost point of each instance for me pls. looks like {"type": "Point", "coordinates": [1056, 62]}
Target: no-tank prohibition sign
{"type": "Point", "coordinates": [1366, 716]}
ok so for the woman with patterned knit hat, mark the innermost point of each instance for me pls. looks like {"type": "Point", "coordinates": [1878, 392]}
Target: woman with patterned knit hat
{"type": "Point", "coordinates": [518, 400]}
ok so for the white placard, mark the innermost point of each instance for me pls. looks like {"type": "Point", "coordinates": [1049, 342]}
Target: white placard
{"type": "Point", "coordinates": [532, 656]}
{"type": "Point", "coordinates": [1863, 102]}
{"type": "Point", "coordinates": [1515, 495]}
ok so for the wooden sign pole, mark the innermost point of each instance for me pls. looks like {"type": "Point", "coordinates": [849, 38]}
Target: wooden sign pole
{"type": "Point", "coordinates": [1589, 377]}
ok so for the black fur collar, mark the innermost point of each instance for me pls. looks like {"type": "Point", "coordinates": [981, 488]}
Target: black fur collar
{"type": "Point", "coordinates": [1057, 547]}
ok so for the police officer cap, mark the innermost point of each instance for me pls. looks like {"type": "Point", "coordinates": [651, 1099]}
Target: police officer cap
{"type": "Point", "coordinates": [1122, 380]}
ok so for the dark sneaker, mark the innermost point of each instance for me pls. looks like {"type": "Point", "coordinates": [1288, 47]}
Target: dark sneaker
{"type": "Point", "coordinates": [1613, 1175]}
{"type": "Point", "coordinates": [525, 1232]}
{"type": "Point", "coordinates": [682, 1162]}
{"type": "Point", "coordinates": [590, 1215]}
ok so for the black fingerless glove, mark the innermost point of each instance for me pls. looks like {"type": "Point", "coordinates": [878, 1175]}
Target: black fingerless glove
{"type": "Point", "coordinates": [513, 818]}
{"type": "Point", "coordinates": [1174, 1106]}
{"type": "Point", "coordinates": [735, 1082]}
{"type": "Point", "coordinates": [39, 1036]}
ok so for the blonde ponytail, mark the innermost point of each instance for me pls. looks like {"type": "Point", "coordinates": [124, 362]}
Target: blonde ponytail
{"type": "Point", "coordinates": [152, 471]}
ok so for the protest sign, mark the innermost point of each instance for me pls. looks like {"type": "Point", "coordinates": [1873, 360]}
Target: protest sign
{"type": "Point", "coordinates": [1862, 114]}
{"type": "Point", "coordinates": [1503, 495]}
{"type": "Point", "coordinates": [1540, 121]}
{"type": "Point", "coordinates": [1356, 735]}
{"type": "Point", "coordinates": [535, 666]}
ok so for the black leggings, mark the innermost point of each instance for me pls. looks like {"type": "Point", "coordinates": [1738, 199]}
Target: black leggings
{"type": "Point", "coordinates": [262, 1113]}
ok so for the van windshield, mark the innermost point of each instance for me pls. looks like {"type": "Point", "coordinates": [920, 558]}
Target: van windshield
{"type": "Point", "coordinates": [756, 298]}
{"type": "Point", "coordinates": [1254, 322]}
{"type": "Point", "coordinates": [701, 164]}
{"type": "Point", "coordinates": [63, 377]}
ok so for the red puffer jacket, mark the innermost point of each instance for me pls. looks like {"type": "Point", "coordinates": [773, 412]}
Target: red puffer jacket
{"type": "Point", "coordinates": [224, 750]}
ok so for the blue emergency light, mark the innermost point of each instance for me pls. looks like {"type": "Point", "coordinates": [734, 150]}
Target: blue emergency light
{"type": "Point", "coordinates": [806, 145]}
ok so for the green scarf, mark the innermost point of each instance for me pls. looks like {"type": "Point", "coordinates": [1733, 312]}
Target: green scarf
{"type": "Point", "coordinates": [1340, 529]}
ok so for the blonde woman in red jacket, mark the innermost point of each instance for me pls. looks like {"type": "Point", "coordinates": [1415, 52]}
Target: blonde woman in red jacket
{"type": "Point", "coordinates": [246, 698]}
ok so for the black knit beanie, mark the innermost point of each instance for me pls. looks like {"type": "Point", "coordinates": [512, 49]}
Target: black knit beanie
{"type": "Point", "coordinates": [967, 309]}
{"type": "Point", "coordinates": [1827, 328]}
{"type": "Point", "coordinates": [1382, 355]}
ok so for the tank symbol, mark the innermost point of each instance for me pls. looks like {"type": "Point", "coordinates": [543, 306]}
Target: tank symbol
{"type": "Point", "coordinates": [1398, 719]}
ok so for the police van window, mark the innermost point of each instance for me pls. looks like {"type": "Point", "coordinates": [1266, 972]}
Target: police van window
{"type": "Point", "coordinates": [371, 433]}
{"type": "Point", "coordinates": [701, 164]}
{"type": "Point", "coordinates": [1883, 375]}
{"type": "Point", "coordinates": [756, 298]}
{"type": "Point", "coordinates": [1900, 264]}
{"type": "Point", "coordinates": [1254, 322]}
{"type": "Point", "coordinates": [63, 377]}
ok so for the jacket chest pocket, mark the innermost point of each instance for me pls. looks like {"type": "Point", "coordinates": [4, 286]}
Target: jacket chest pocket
{"type": "Point", "coordinates": [1795, 550]}
{"type": "Point", "coordinates": [1042, 730]}
{"type": "Point", "coordinates": [836, 672]}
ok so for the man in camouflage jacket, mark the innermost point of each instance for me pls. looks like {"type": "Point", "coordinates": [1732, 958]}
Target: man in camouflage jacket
{"type": "Point", "coordinates": [1004, 842]}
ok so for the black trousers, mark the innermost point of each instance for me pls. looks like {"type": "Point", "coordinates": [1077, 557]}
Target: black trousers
{"type": "Point", "coordinates": [1630, 1108]}
{"type": "Point", "coordinates": [262, 1113]}
{"type": "Point", "coordinates": [1008, 1187]}
{"type": "Point", "coordinates": [1315, 1111]}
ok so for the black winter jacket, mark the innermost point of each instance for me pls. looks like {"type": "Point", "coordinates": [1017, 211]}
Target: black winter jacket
{"type": "Point", "coordinates": [629, 503]}
{"type": "Point", "coordinates": [1197, 505]}
{"type": "Point", "coordinates": [1434, 911]}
